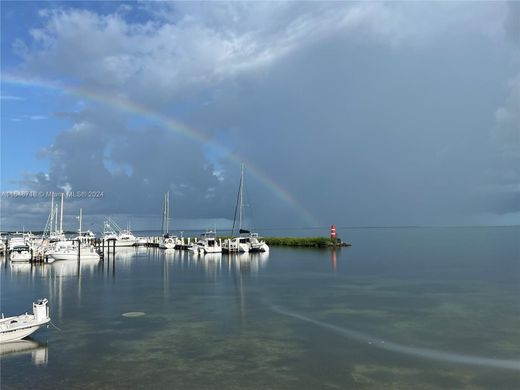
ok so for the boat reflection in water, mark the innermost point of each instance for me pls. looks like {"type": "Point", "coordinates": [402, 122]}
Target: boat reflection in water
{"type": "Point", "coordinates": [211, 263]}
{"type": "Point", "coordinates": [125, 254]}
{"type": "Point", "coordinates": [38, 350]}
{"type": "Point", "coordinates": [22, 269]}
{"type": "Point", "coordinates": [73, 268]}
{"type": "Point", "coordinates": [249, 262]}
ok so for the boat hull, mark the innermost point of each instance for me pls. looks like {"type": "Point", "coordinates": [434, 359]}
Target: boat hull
{"type": "Point", "coordinates": [259, 248]}
{"type": "Point", "coordinates": [24, 256]}
{"type": "Point", "coordinates": [18, 334]}
{"type": "Point", "coordinates": [74, 256]}
{"type": "Point", "coordinates": [125, 244]}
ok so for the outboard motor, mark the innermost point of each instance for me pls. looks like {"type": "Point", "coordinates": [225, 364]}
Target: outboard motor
{"type": "Point", "coordinates": [41, 309]}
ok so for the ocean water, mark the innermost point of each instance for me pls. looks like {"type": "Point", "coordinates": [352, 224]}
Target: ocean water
{"type": "Point", "coordinates": [428, 308]}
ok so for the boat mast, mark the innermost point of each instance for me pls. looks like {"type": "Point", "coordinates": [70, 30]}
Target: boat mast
{"type": "Point", "coordinates": [241, 211]}
{"type": "Point", "coordinates": [52, 213]}
{"type": "Point", "coordinates": [56, 217]}
{"type": "Point", "coordinates": [80, 220]}
{"type": "Point", "coordinates": [61, 214]}
{"type": "Point", "coordinates": [240, 204]}
{"type": "Point", "coordinates": [167, 212]}
{"type": "Point", "coordinates": [163, 213]}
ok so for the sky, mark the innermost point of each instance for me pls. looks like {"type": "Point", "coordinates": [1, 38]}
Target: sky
{"type": "Point", "coordinates": [346, 113]}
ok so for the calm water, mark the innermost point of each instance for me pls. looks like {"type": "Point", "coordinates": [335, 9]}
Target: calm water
{"type": "Point", "coordinates": [401, 308]}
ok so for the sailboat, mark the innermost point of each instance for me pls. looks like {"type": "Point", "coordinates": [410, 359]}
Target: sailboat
{"type": "Point", "coordinates": [246, 241]}
{"type": "Point", "coordinates": [84, 237]}
{"type": "Point", "coordinates": [56, 234]}
{"type": "Point", "coordinates": [77, 249]}
{"type": "Point", "coordinates": [168, 241]}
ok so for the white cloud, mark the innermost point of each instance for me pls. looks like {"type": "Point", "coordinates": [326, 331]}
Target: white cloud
{"type": "Point", "coordinates": [190, 45]}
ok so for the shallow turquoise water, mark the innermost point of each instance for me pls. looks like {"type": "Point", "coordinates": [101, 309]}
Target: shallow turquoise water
{"type": "Point", "coordinates": [401, 308]}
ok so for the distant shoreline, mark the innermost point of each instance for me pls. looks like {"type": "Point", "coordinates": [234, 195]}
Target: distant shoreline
{"type": "Point", "coordinates": [306, 242]}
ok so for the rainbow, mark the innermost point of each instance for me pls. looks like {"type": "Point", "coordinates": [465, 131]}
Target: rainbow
{"type": "Point", "coordinates": [129, 106]}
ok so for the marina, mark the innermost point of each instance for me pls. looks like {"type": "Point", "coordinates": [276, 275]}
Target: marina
{"type": "Point", "coordinates": [55, 245]}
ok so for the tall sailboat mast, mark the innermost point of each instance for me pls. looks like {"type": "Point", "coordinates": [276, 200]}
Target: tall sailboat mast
{"type": "Point", "coordinates": [61, 214]}
{"type": "Point", "coordinates": [56, 217]}
{"type": "Point", "coordinates": [167, 212]}
{"type": "Point", "coordinates": [165, 226]}
{"type": "Point", "coordinates": [52, 214]}
{"type": "Point", "coordinates": [239, 207]}
{"type": "Point", "coordinates": [80, 221]}
{"type": "Point", "coordinates": [241, 210]}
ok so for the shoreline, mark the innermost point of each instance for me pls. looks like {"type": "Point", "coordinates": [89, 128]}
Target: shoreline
{"type": "Point", "coordinates": [306, 242]}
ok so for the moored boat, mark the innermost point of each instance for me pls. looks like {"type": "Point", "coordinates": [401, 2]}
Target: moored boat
{"type": "Point", "coordinates": [246, 241]}
{"type": "Point", "coordinates": [68, 250]}
{"type": "Point", "coordinates": [17, 327]}
{"type": "Point", "coordinates": [167, 241]}
{"type": "Point", "coordinates": [19, 250]}
{"type": "Point", "coordinates": [122, 238]}
{"type": "Point", "coordinates": [207, 243]}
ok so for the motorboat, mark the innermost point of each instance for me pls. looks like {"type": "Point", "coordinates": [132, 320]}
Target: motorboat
{"type": "Point", "coordinates": [126, 238]}
{"type": "Point", "coordinates": [19, 250]}
{"type": "Point", "coordinates": [141, 241]}
{"type": "Point", "coordinates": [69, 250]}
{"type": "Point", "coordinates": [122, 238]}
{"type": "Point", "coordinates": [85, 237]}
{"type": "Point", "coordinates": [256, 244]}
{"type": "Point", "coordinates": [207, 243]}
{"type": "Point", "coordinates": [17, 327]}
{"type": "Point", "coordinates": [235, 245]}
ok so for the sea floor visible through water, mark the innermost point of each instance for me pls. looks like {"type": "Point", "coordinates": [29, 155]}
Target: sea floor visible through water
{"type": "Point", "coordinates": [415, 308]}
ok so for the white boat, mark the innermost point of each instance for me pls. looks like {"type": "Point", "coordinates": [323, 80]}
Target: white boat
{"type": "Point", "coordinates": [18, 327]}
{"type": "Point", "coordinates": [235, 245]}
{"type": "Point", "coordinates": [19, 250]}
{"type": "Point", "coordinates": [85, 237]}
{"type": "Point", "coordinates": [68, 250]}
{"type": "Point", "coordinates": [167, 241]}
{"type": "Point", "coordinates": [256, 244]}
{"type": "Point", "coordinates": [126, 238]}
{"type": "Point", "coordinates": [112, 231]}
{"type": "Point", "coordinates": [77, 248]}
{"type": "Point", "coordinates": [207, 243]}
{"type": "Point", "coordinates": [141, 241]}
{"type": "Point", "coordinates": [246, 240]}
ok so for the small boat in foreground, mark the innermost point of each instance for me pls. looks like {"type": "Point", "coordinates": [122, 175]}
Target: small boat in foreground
{"type": "Point", "coordinates": [18, 327]}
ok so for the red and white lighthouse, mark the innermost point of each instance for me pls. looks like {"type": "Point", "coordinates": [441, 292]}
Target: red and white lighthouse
{"type": "Point", "coordinates": [332, 232]}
